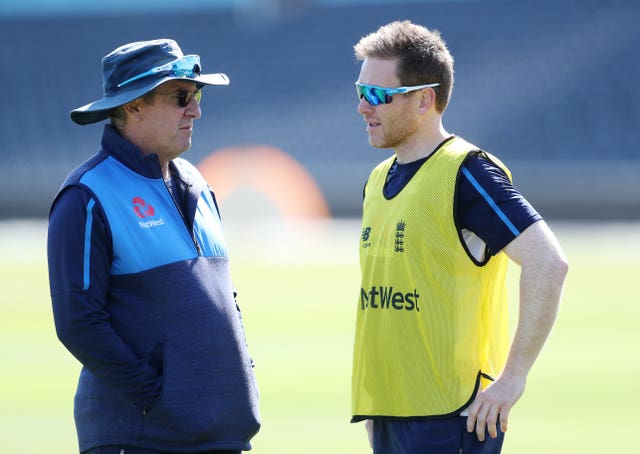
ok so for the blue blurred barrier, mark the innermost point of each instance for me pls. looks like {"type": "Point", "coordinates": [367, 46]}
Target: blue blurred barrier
{"type": "Point", "coordinates": [549, 86]}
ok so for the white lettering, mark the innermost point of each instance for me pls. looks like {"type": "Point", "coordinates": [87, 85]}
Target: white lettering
{"type": "Point", "coordinates": [151, 223]}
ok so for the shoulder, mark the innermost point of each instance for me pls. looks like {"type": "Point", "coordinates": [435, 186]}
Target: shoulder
{"type": "Point", "coordinates": [76, 174]}
{"type": "Point", "coordinates": [488, 204]}
{"type": "Point", "coordinates": [485, 167]}
{"type": "Point", "coordinates": [73, 193]}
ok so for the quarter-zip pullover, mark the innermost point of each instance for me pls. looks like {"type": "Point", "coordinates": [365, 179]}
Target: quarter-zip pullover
{"type": "Point", "coordinates": [142, 297]}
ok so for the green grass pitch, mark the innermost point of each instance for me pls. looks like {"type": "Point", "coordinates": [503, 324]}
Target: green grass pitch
{"type": "Point", "coordinates": [297, 289]}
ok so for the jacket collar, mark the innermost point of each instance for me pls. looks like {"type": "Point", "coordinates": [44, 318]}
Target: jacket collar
{"type": "Point", "coordinates": [148, 166]}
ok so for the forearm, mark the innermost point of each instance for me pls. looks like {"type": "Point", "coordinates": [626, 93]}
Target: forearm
{"type": "Point", "coordinates": [85, 330]}
{"type": "Point", "coordinates": [543, 271]}
{"type": "Point", "coordinates": [540, 293]}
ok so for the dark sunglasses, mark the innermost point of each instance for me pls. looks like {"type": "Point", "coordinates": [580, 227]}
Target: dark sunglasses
{"type": "Point", "coordinates": [184, 97]}
{"type": "Point", "coordinates": [380, 95]}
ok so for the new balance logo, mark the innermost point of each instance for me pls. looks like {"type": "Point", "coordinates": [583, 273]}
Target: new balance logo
{"type": "Point", "coordinates": [364, 237]}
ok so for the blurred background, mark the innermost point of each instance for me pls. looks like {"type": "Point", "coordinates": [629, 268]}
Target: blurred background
{"type": "Point", "coordinates": [549, 86]}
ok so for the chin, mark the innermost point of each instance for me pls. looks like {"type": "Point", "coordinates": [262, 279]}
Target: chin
{"type": "Point", "coordinates": [374, 142]}
{"type": "Point", "coordinates": [377, 144]}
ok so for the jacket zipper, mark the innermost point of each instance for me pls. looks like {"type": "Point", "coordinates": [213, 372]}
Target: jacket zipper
{"type": "Point", "coordinates": [184, 222]}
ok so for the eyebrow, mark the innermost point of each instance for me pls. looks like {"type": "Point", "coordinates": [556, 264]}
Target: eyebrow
{"type": "Point", "coordinates": [178, 87]}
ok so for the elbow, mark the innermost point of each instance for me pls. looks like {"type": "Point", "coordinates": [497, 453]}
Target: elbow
{"type": "Point", "coordinates": [561, 266]}
{"type": "Point", "coordinates": [68, 330]}
{"type": "Point", "coordinates": [556, 269]}
{"type": "Point", "coordinates": [65, 333]}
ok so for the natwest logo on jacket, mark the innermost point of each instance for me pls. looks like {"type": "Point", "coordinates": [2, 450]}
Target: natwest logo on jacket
{"type": "Point", "coordinates": [145, 210]}
{"type": "Point", "coordinates": [141, 208]}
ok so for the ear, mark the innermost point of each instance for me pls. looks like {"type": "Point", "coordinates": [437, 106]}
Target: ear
{"type": "Point", "coordinates": [134, 109]}
{"type": "Point", "coordinates": [427, 100]}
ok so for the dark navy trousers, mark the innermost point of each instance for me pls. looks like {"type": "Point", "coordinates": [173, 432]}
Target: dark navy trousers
{"type": "Point", "coordinates": [136, 450]}
{"type": "Point", "coordinates": [433, 436]}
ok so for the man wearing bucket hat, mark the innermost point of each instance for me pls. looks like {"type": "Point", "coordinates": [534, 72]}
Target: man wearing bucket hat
{"type": "Point", "coordinates": [139, 273]}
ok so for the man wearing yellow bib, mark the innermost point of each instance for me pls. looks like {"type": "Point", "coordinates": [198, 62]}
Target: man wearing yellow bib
{"type": "Point", "coordinates": [433, 369]}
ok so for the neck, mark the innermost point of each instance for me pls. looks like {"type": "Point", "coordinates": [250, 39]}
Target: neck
{"type": "Point", "coordinates": [164, 167]}
{"type": "Point", "coordinates": [421, 144]}
{"type": "Point", "coordinates": [133, 136]}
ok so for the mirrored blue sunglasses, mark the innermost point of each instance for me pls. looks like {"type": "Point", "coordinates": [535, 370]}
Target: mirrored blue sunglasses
{"type": "Point", "coordinates": [187, 66]}
{"type": "Point", "coordinates": [375, 95]}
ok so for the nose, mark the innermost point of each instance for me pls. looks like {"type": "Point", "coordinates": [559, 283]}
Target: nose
{"type": "Point", "coordinates": [193, 109]}
{"type": "Point", "coordinates": [364, 106]}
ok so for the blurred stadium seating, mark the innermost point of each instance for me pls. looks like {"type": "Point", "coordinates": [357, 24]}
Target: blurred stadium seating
{"type": "Point", "coordinates": [550, 86]}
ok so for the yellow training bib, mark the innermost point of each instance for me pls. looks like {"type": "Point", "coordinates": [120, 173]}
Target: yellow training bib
{"type": "Point", "coordinates": [431, 322]}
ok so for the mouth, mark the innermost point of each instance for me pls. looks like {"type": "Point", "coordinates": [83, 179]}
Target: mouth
{"type": "Point", "coordinates": [372, 125]}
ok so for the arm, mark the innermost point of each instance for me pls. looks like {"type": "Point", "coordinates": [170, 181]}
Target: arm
{"type": "Point", "coordinates": [543, 271]}
{"type": "Point", "coordinates": [79, 257]}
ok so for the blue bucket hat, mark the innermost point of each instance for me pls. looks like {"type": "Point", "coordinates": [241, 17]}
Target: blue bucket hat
{"type": "Point", "coordinates": [135, 69]}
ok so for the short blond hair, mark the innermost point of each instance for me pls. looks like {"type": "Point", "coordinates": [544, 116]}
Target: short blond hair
{"type": "Point", "coordinates": [422, 55]}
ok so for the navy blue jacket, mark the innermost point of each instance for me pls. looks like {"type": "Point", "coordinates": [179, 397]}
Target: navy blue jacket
{"type": "Point", "coordinates": [142, 297]}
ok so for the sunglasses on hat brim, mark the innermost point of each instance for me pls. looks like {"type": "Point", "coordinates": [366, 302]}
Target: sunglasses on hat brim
{"type": "Point", "coordinates": [187, 66]}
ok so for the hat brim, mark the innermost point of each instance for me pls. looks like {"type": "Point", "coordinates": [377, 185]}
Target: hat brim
{"type": "Point", "coordinates": [99, 110]}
